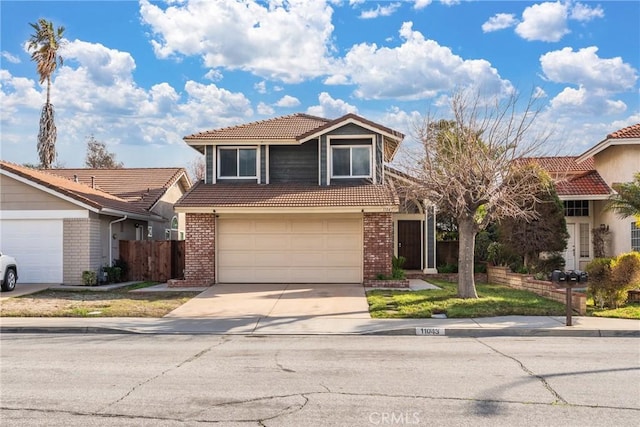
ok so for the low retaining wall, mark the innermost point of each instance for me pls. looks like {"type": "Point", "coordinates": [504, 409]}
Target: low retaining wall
{"type": "Point", "coordinates": [371, 283]}
{"type": "Point", "coordinates": [502, 275]}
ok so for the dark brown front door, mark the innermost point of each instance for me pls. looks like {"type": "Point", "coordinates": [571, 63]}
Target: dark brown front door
{"type": "Point", "coordinates": [409, 238]}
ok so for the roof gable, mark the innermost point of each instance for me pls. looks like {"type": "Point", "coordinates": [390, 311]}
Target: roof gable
{"type": "Point", "coordinates": [76, 192]}
{"type": "Point", "coordinates": [629, 135]}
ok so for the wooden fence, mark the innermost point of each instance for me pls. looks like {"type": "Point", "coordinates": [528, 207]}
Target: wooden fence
{"type": "Point", "coordinates": [153, 260]}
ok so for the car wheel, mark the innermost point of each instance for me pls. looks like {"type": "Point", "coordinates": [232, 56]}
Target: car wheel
{"type": "Point", "coordinates": [9, 283]}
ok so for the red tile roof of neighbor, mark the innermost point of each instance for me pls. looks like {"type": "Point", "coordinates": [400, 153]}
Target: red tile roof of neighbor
{"type": "Point", "coordinates": [632, 131]}
{"type": "Point", "coordinates": [142, 187]}
{"type": "Point", "coordinates": [287, 195]}
{"type": "Point", "coordinates": [80, 192]}
{"type": "Point", "coordinates": [566, 164]}
{"type": "Point", "coordinates": [295, 126]}
{"type": "Point", "coordinates": [587, 184]}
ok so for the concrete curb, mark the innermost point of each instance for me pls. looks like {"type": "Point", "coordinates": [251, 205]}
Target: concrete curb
{"type": "Point", "coordinates": [446, 332]}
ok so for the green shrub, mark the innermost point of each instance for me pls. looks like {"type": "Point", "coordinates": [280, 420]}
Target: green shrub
{"type": "Point", "coordinates": [499, 254]}
{"type": "Point", "coordinates": [552, 261]}
{"type": "Point", "coordinates": [611, 279]}
{"type": "Point", "coordinates": [397, 270]}
{"type": "Point", "coordinates": [447, 268]}
{"type": "Point", "coordinates": [89, 278]}
{"type": "Point", "coordinates": [480, 267]}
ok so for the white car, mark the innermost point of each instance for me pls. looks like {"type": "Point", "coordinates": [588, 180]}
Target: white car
{"type": "Point", "coordinates": [8, 272]}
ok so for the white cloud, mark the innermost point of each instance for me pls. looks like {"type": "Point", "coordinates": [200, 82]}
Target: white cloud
{"type": "Point", "coordinates": [417, 69]}
{"type": "Point", "coordinates": [585, 67]}
{"type": "Point", "coordinates": [265, 109]}
{"type": "Point", "coordinates": [450, 2]}
{"type": "Point", "coordinates": [331, 108]}
{"type": "Point", "coordinates": [582, 12]}
{"type": "Point", "coordinates": [280, 41]}
{"type": "Point", "coordinates": [539, 93]}
{"type": "Point", "coordinates": [380, 11]}
{"type": "Point", "coordinates": [10, 57]}
{"type": "Point", "coordinates": [288, 102]}
{"type": "Point", "coordinates": [544, 22]}
{"type": "Point", "coordinates": [421, 4]}
{"type": "Point", "coordinates": [261, 87]}
{"type": "Point", "coordinates": [499, 21]}
{"type": "Point", "coordinates": [573, 102]}
{"type": "Point", "coordinates": [213, 75]}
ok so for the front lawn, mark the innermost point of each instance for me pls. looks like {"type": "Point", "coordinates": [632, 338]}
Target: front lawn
{"type": "Point", "coordinates": [86, 303]}
{"type": "Point", "coordinates": [495, 300]}
{"type": "Point", "coordinates": [629, 311]}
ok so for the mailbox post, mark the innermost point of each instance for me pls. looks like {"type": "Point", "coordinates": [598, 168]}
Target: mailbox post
{"type": "Point", "coordinates": [568, 281]}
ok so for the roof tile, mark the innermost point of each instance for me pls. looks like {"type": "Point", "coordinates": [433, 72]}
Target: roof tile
{"type": "Point", "coordinates": [287, 195]}
{"type": "Point", "coordinates": [560, 164]}
{"type": "Point", "coordinates": [78, 191]}
{"type": "Point", "coordinates": [587, 184]}
{"type": "Point", "coordinates": [632, 131]}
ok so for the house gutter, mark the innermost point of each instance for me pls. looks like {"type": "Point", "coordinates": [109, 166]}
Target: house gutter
{"type": "Point", "coordinates": [110, 239]}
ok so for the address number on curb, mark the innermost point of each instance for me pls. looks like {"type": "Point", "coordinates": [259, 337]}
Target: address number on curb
{"type": "Point", "coordinates": [430, 331]}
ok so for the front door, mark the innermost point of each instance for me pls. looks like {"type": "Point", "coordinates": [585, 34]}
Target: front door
{"type": "Point", "coordinates": [570, 252]}
{"type": "Point", "coordinates": [409, 239]}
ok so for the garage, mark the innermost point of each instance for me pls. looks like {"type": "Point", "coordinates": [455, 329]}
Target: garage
{"type": "Point", "coordinates": [294, 249]}
{"type": "Point", "coordinates": [37, 246]}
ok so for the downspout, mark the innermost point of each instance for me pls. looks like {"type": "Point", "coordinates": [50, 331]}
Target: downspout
{"type": "Point", "coordinates": [111, 238]}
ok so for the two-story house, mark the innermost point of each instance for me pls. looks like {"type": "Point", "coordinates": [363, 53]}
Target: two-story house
{"type": "Point", "coordinates": [300, 199]}
{"type": "Point", "coordinates": [584, 184]}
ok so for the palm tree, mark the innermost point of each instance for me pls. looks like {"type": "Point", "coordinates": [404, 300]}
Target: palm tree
{"type": "Point", "coordinates": [627, 202]}
{"type": "Point", "coordinates": [44, 44]}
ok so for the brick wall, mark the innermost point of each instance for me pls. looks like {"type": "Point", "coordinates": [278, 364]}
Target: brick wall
{"type": "Point", "coordinates": [503, 276]}
{"type": "Point", "coordinates": [378, 244]}
{"type": "Point", "coordinates": [76, 249]}
{"type": "Point", "coordinates": [199, 251]}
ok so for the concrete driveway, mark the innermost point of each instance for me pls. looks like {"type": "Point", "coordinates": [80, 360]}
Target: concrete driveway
{"type": "Point", "coordinates": [277, 300]}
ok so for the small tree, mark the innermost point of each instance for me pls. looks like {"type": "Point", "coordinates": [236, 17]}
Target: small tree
{"type": "Point", "coordinates": [197, 169]}
{"type": "Point", "coordinates": [546, 233]}
{"type": "Point", "coordinates": [98, 157]}
{"type": "Point", "coordinates": [44, 45]}
{"type": "Point", "coordinates": [468, 165]}
{"type": "Point", "coordinates": [626, 202]}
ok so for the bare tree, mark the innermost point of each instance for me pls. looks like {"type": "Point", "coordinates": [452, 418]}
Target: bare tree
{"type": "Point", "coordinates": [469, 167]}
{"type": "Point", "coordinates": [44, 44]}
{"type": "Point", "coordinates": [197, 169]}
{"type": "Point", "coordinates": [98, 157]}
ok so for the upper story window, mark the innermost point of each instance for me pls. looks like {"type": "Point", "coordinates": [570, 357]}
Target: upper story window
{"type": "Point", "coordinates": [237, 163]}
{"type": "Point", "coordinates": [576, 208]}
{"type": "Point", "coordinates": [351, 161]}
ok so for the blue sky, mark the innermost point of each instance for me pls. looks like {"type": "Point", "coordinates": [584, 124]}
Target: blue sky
{"type": "Point", "coordinates": [141, 75]}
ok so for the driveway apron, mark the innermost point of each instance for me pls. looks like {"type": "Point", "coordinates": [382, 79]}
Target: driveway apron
{"type": "Point", "coordinates": [277, 300]}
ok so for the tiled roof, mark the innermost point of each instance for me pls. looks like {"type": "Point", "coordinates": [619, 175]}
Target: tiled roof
{"type": "Point", "coordinates": [566, 164]}
{"type": "Point", "coordinates": [287, 195]}
{"type": "Point", "coordinates": [285, 127]}
{"type": "Point", "coordinates": [632, 131]}
{"type": "Point", "coordinates": [587, 184]}
{"type": "Point", "coordinates": [295, 126]}
{"type": "Point", "coordinates": [142, 187]}
{"type": "Point", "coordinates": [80, 192]}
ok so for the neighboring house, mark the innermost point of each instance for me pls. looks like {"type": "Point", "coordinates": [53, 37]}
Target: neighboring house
{"type": "Point", "coordinates": [58, 228]}
{"type": "Point", "coordinates": [302, 199]}
{"type": "Point", "coordinates": [155, 190]}
{"type": "Point", "coordinates": [584, 184]}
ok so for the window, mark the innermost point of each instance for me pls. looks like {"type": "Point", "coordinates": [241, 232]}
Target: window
{"type": "Point", "coordinates": [584, 240]}
{"type": "Point", "coordinates": [635, 237]}
{"type": "Point", "coordinates": [576, 208]}
{"type": "Point", "coordinates": [351, 161]}
{"type": "Point", "coordinates": [237, 163]}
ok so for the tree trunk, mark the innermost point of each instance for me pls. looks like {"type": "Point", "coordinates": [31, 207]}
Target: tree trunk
{"type": "Point", "coordinates": [467, 237]}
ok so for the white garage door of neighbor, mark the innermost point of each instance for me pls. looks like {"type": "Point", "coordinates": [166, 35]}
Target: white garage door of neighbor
{"type": "Point", "coordinates": [37, 246]}
{"type": "Point", "coordinates": [289, 250]}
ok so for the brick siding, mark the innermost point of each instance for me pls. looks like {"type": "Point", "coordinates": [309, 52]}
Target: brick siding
{"type": "Point", "coordinates": [378, 244]}
{"type": "Point", "coordinates": [199, 251]}
{"type": "Point", "coordinates": [80, 248]}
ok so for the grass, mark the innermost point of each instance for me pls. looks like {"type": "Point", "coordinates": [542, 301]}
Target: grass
{"type": "Point", "coordinates": [85, 303]}
{"type": "Point", "coordinates": [629, 311]}
{"type": "Point", "coordinates": [495, 300]}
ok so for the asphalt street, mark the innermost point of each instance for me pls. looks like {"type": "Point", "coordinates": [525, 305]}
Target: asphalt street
{"type": "Point", "coordinates": [261, 380]}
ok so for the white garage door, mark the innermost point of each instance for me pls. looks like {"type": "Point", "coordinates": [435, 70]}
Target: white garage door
{"type": "Point", "coordinates": [289, 250]}
{"type": "Point", "coordinates": [37, 246]}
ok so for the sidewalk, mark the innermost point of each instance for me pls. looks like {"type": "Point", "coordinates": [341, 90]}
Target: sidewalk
{"type": "Point", "coordinates": [319, 325]}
